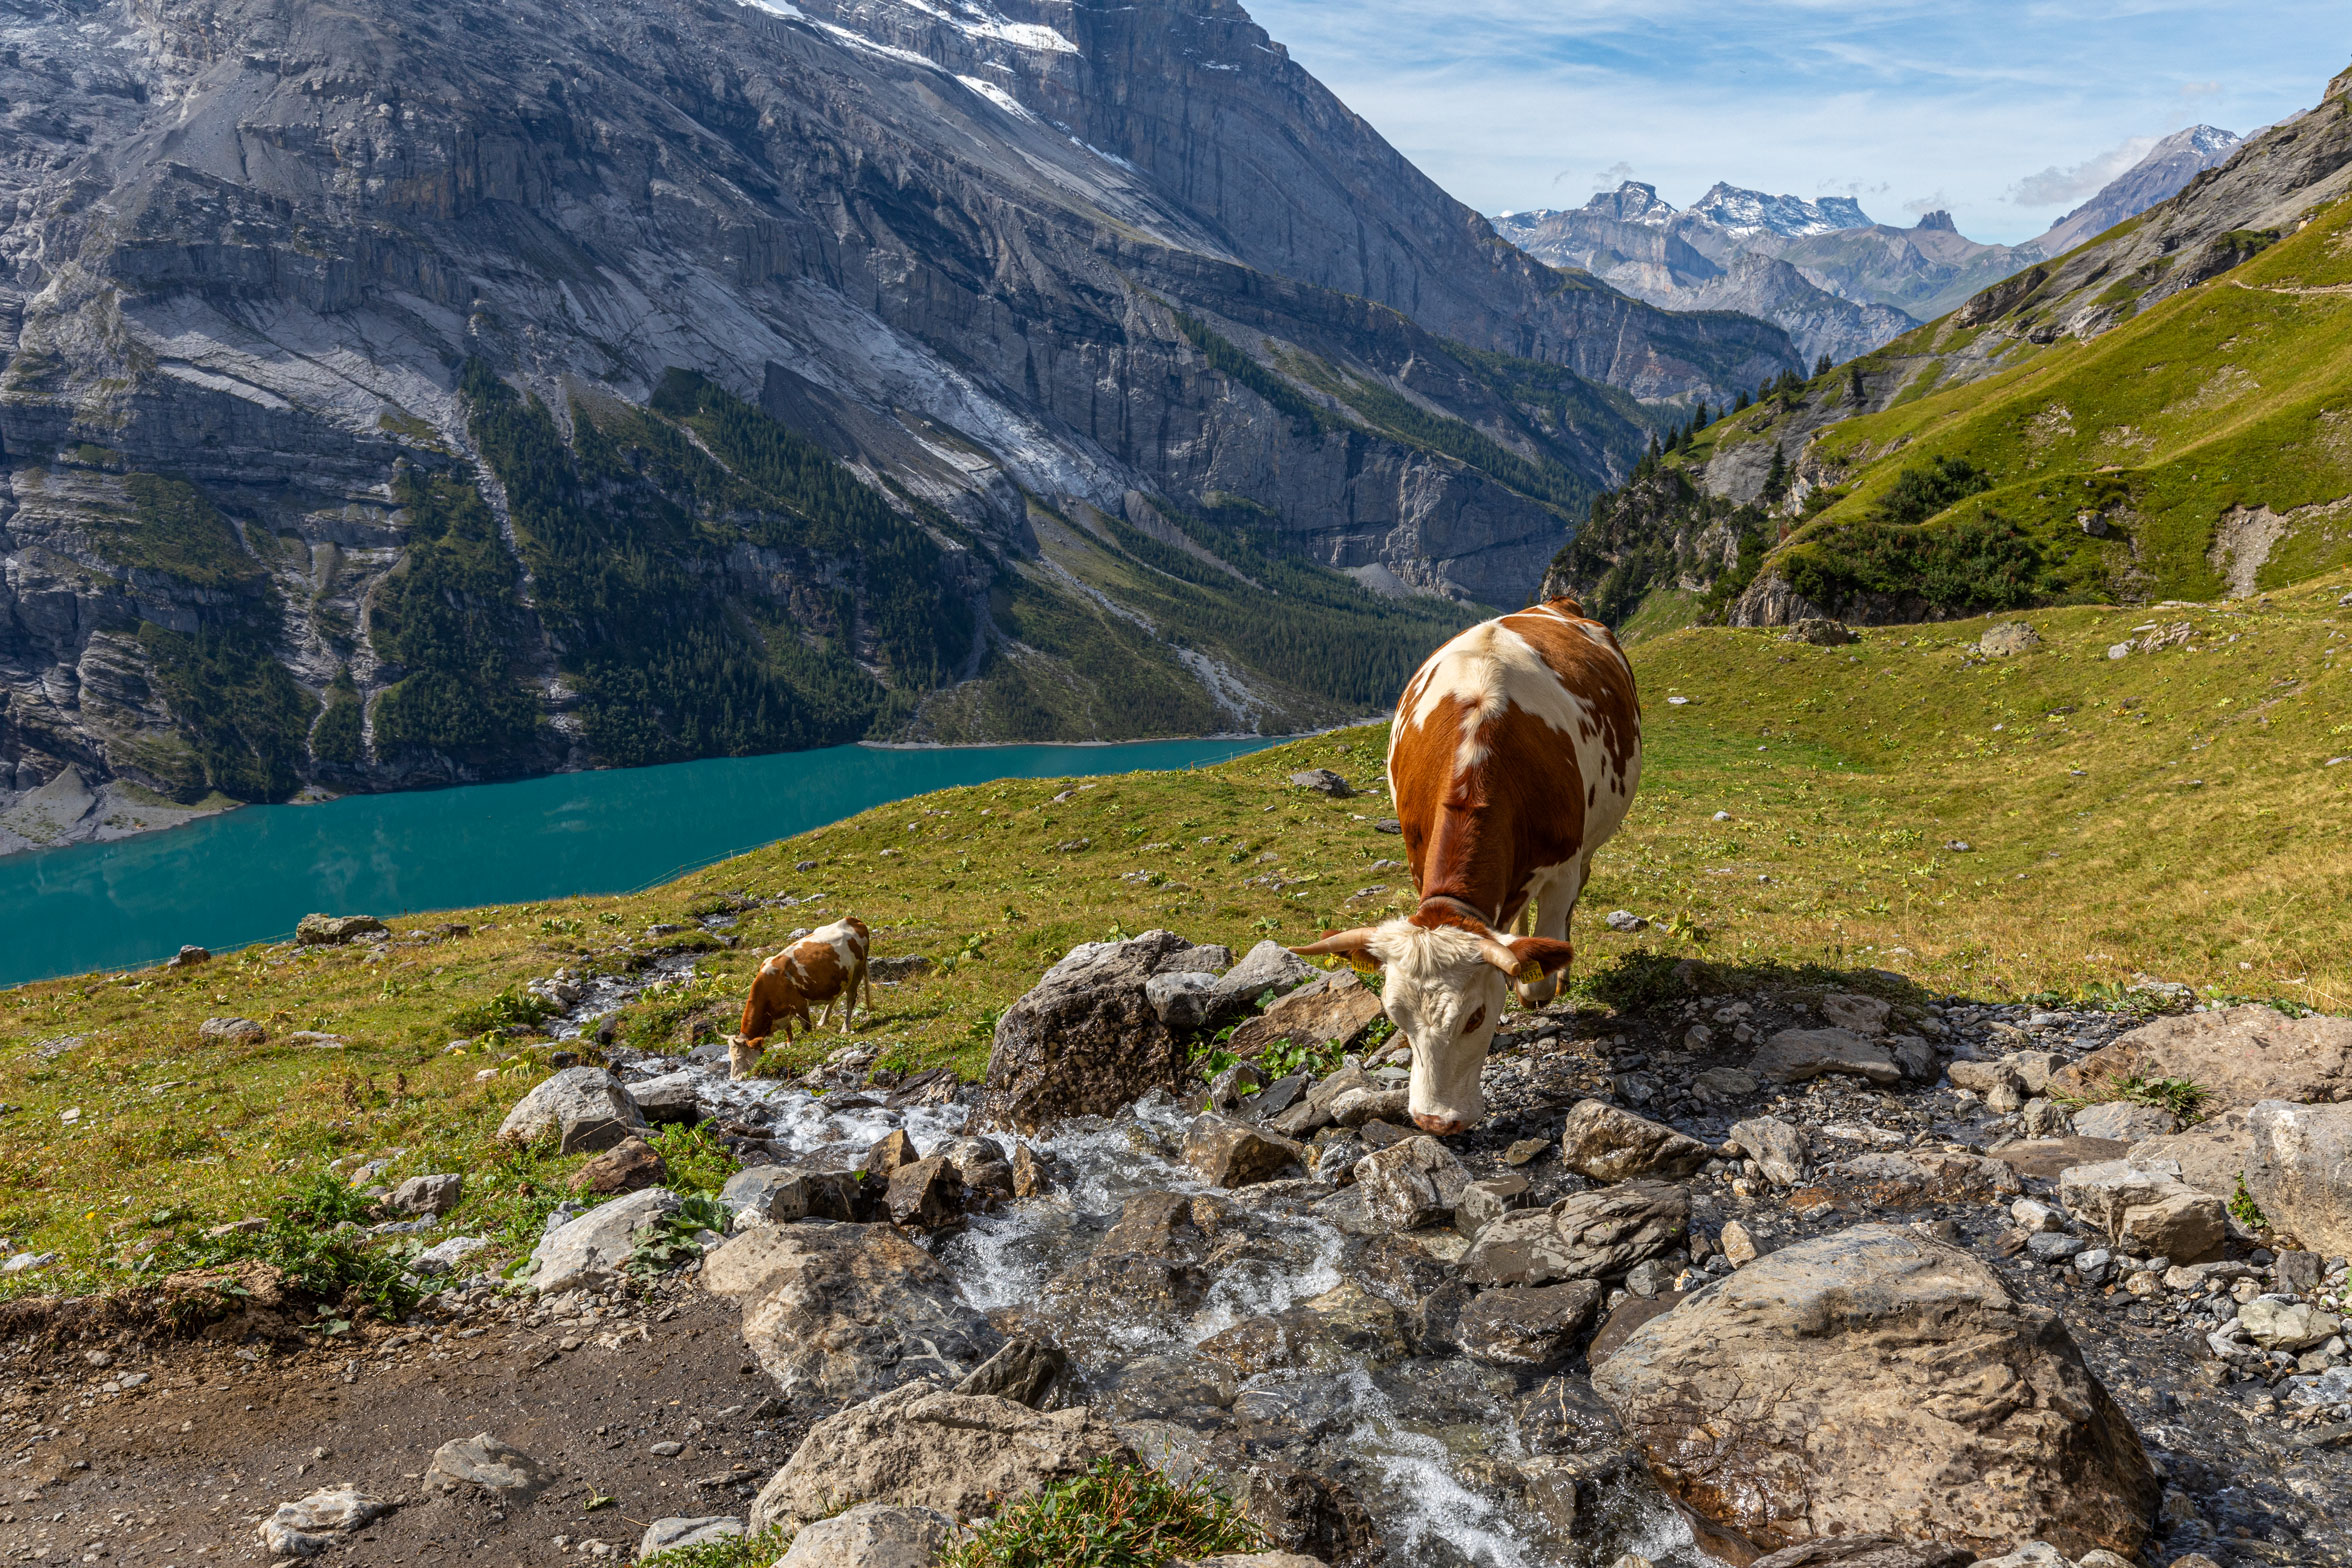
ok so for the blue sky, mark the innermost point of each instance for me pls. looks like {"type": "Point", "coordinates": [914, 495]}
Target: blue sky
{"type": "Point", "coordinates": [2007, 114]}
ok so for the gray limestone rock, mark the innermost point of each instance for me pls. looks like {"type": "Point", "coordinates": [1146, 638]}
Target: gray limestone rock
{"type": "Point", "coordinates": [1085, 1040]}
{"type": "Point", "coordinates": [582, 1108]}
{"type": "Point", "coordinates": [1607, 1144]}
{"type": "Point", "coordinates": [1795, 1055]}
{"type": "Point", "coordinates": [595, 1248]}
{"type": "Point", "coordinates": [873, 1535]}
{"type": "Point", "coordinates": [1591, 1235]}
{"type": "Point", "coordinates": [2300, 1172]}
{"type": "Point", "coordinates": [435, 1195]}
{"type": "Point", "coordinates": [667, 1534]}
{"type": "Point", "coordinates": [1410, 1184]}
{"type": "Point", "coordinates": [485, 1462]}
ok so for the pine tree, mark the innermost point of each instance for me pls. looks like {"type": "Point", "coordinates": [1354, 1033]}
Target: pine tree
{"type": "Point", "coordinates": [1856, 393]}
{"type": "Point", "coordinates": [1699, 416]}
{"type": "Point", "coordinates": [1821, 366]}
{"type": "Point", "coordinates": [1776, 478]}
{"type": "Point", "coordinates": [1740, 404]}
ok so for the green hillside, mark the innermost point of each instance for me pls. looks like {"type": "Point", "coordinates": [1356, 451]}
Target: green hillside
{"type": "Point", "coordinates": [2171, 812]}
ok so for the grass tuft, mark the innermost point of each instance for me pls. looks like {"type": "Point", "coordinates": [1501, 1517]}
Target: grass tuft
{"type": "Point", "coordinates": [1117, 1515]}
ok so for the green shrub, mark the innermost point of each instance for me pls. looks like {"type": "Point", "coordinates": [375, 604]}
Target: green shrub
{"type": "Point", "coordinates": [2244, 1209]}
{"type": "Point", "coordinates": [512, 1008]}
{"type": "Point", "coordinates": [736, 1551]}
{"type": "Point", "coordinates": [670, 1241]}
{"type": "Point", "coordinates": [1117, 1515]}
{"type": "Point", "coordinates": [695, 1159]}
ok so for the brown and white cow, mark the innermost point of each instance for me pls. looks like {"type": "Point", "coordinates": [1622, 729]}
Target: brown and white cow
{"type": "Point", "coordinates": [1514, 756]}
{"type": "Point", "coordinates": [824, 968]}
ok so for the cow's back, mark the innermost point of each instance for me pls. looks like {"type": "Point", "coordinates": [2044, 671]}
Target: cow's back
{"type": "Point", "coordinates": [1526, 728]}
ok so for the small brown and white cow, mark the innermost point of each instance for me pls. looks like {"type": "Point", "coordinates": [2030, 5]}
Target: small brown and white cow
{"type": "Point", "coordinates": [824, 968]}
{"type": "Point", "coordinates": [1514, 756]}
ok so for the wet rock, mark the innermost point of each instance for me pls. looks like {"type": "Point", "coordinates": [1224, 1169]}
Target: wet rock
{"type": "Point", "coordinates": [1911, 1177]}
{"type": "Point", "coordinates": [2121, 1121]}
{"type": "Point", "coordinates": [1345, 1327]}
{"type": "Point", "coordinates": [675, 1533]}
{"type": "Point", "coordinates": [927, 1195]}
{"type": "Point", "coordinates": [1300, 1511]}
{"type": "Point", "coordinates": [914, 1447]}
{"type": "Point", "coordinates": [1358, 1106]}
{"type": "Point", "coordinates": [1277, 1097]}
{"type": "Point", "coordinates": [1777, 1148]}
{"type": "Point", "coordinates": [1410, 1184]}
{"type": "Point", "coordinates": [310, 1525]}
{"type": "Point", "coordinates": [1031, 1175]}
{"type": "Point", "coordinates": [1861, 1014]}
{"type": "Point", "coordinates": [1184, 1000]}
{"type": "Point", "coordinates": [627, 1166]}
{"type": "Point", "coordinates": [1866, 1551]}
{"type": "Point", "coordinates": [873, 1535]}
{"type": "Point", "coordinates": [1627, 1318]}
{"type": "Point", "coordinates": [2000, 1085]}
{"type": "Point", "coordinates": [434, 1195]}
{"type": "Point", "coordinates": [583, 1109]}
{"type": "Point", "coordinates": [982, 1163]}
{"type": "Point", "coordinates": [1874, 1379]}
{"type": "Point", "coordinates": [1328, 1014]}
{"type": "Point", "coordinates": [1251, 1560]}
{"type": "Point", "coordinates": [1228, 1153]}
{"type": "Point", "coordinates": [780, 1194]}
{"type": "Point", "coordinates": [842, 1312]}
{"type": "Point", "coordinates": [1084, 1041]}
{"type": "Point", "coordinates": [1314, 1111]}
{"type": "Point", "coordinates": [888, 1155]}
{"type": "Point", "coordinates": [594, 1249]}
{"type": "Point", "coordinates": [2146, 1213]}
{"type": "Point", "coordinates": [485, 1462]}
{"type": "Point", "coordinates": [1027, 1371]}
{"type": "Point", "coordinates": [1323, 782]}
{"type": "Point", "coordinates": [1609, 1145]}
{"type": "Point", "coordinates": [1725, 1085]}
{"type": "Point", "coordinates": [1484, 1202]}
{"type": "Point", "coordinates": [1591, 1235]}
{"type": "Point", "coordinates": [670, 1100]}
{"type": "Point", "coordinates": [2209, 1156]}
{"type": "Point", "coordinates": [2239, 1055]}
{"type": "Point", "coordinates": [332, 930]}
{"type": "Point", "coordinates": [2045, 1159]}
{"type": "Point", "coordinates": [2301, 1171]}
{"type": "Point", "coordinates": [1532, 1328]}
{"type": "Point", "coordinates": [231, 1031]}
{"type": "Point", "coordinates": [2281, 1323]}
{"type": "Point", "coordinates": [1795, 1055]}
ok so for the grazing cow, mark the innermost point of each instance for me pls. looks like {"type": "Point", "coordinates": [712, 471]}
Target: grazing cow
{"type": "Point", "coordinates": [824, 968]}
{"type": "Point", "coordinates": [1514, 756]}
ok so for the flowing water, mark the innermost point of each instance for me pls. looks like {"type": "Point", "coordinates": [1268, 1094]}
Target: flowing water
{"type": "Point", "coordinates": [249, 875]}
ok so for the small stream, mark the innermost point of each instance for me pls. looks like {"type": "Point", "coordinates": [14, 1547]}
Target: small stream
{"type": "Point", "coordinates": [1437, 1447]}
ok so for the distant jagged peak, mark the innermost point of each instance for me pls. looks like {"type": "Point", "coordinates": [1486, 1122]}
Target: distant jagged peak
{"type": "Point", "coordinates": [2163, 171]}
{"type": "Point", "coordinates": [1633, 201]}
{"type": "Point", "coordinates": [1938, 219]}
{"type": "Point", "coordinates": [1745, 212]}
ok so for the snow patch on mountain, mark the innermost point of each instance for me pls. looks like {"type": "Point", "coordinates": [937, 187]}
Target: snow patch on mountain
{"type": "Point", "coordinates": [1745, 212]}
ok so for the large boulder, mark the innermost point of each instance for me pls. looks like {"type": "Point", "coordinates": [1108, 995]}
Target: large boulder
{"type": "Point", "coordinates": [331, 930]}
{"type": "Point", "coordinates": [914, 1447]}
{"type": "Point", "coordinates": [583, 1109]}
{"type": "Point", "coordinates": [2237, 1056]}
{"type": "Point", "coordinates": [2147, 1213]}
{"type": "Point", "coordinates": [780, 1194]}
{"type": "Point", "coordinates": [1608, 1144]}
{"type": "Point", "coordinates": [843, 1312]}
{"type": "Point", "coordinates": [2300, 1173]}
{"type": "Point", "coordinates": [1591, 1235]}
{"type": "Point", "coordinates": [594, 1249]}
{"type": "Point", "coordinates": [1876, 1381]}
{"type": "Point", "coordinates": [1085, 1040]}
{"type": "Point", "coordinates": [1320, 1016]}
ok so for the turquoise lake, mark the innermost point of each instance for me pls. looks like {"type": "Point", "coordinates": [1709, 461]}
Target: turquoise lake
{"type": "Point", "coordinates": [249, 875]}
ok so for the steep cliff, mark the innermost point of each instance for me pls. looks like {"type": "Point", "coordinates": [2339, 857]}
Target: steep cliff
{"type": "Point", "coordinates": [402, 392]}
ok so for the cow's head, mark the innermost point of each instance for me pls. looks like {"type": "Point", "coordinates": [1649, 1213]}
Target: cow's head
{"type": "Point", "coordinates": [1444, 986]}
{"type": "Point", "coordinates": [773, 1004]}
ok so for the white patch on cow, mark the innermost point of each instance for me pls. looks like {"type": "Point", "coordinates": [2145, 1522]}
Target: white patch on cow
{"type": "Point", "coordinates": [848, 948]}
{"type": "Point", "coordinates": [1432, 981]}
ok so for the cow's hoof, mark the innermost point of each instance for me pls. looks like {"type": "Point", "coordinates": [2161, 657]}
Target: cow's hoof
{"type": "Point", "coordinates": [1440, 1126]}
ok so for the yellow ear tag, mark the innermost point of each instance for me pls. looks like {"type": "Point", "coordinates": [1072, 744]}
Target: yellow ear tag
{"type": "Point", "coordinates": [1530, 972]}
{"type": "Point", "coordinates": [1362, 965]}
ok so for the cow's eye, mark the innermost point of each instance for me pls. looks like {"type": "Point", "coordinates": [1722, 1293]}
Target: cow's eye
{"type": "Point", "coordinates": [1470, 1024]}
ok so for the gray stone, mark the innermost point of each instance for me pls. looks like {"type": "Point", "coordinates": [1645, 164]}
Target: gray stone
{"type": "Point", "coordinates": [1777, 1148]}
{"type": "Point", "coordinates": [2238, 1056]}
{"type": "Point", "coordinates": [595, 1248]}
{"type": "Point", "coordinates": [927, 1195]}
{"type": "Point", "coordinates": [231, 1031]}
{"type": "Point", "coordinates": [1410, 1184]}
{"type": "Point", "coordinates": [584, 1109]}
{"type": "Point", "coordinates": [1269, 966]}
{"type": "Point", "coordinates": [2008, 637]}
{"type": "Point", "coordinates": [1725, 1085]}
{"type": "Point", "coordinates": [983, 1164]}
{"type": "Point", "coordinates": [1861, 1014]}
{"type": "Point", "coordinates": [2211, 1156]}
{"type": "Point", "coordinates": [435, 1195]}
{"type": "Point", "coordinates": [1998, 1082]}
{"type": "Point", "coordinates": [1323, 782]}
{"type": "Point", "coordinates": [665, 1534]}
{"type": "Point", "coordinates": [1027, 1371]}
{"type": "Point", "coordinates": [873, 1535]}
{"type": "Point", "coordinates": [1229, 1153]}
{"type": "Point", "coordinates": [1324, 1015]}
{"type": "Point", "coordinates": [483, 1461]}
{"type": "Point", "coordinates": [1085, 1040]}
{"type": "Point", "coordinates": [2124, 1121]}
{"type": "Point", "coordinates": [1608, 1145]}
{"type": "Point", "coordinates": [189, 957]}
{"type": "Point", "coordinates": [2051, 1246]}
{"type": "Point", "coordinates": [444, 1257]}
{"type": "Point", "coordinates": [773, 1195]}
{"type": "Point", "coordinates": [672, 1099]}
{"type": "Point", "coordinates": [2280, 1323]}
{"type": "Point", "coordinates": [962, 1454]}
{"type": "Point", "coordinates": [1591, 1235]}
{"type": "Point", "coordinates": [1484, 1202]}
{"type": "Point", "coordinates": [331, 930]}
{"type": "Point", "coordinates": [1874, 1380]}
{"type": "Point", "coordinates": [1795, 1055]}
{"type": "Point", "coordinates": [309, 1525]}
{"type": "Point", "coordinates": [2146, 1213]}
{"type": "Point", "coordinates": [842, 1312]}
{"type": "Point", "coordinates": [2300, 1171]}
{"type": "Point", "coordinates": [1529, 1328]}
{"type": "Point", "coordinates": [1183, 999]}
{"type": "Point", "coordinates": [1624, 920]}
{"type": "Point", "coordinates": [1358, 1106]}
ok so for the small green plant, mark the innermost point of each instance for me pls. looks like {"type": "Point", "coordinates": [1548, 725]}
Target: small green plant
{"type": "Point", "coordinates": [511, 1009]}
{"type": "Point", "coordinates": [2180, 1096]}
{"type": "Point", "coordinates": [694, 1158]}
{"type": "Point", "coordinates": [2244, 1209]}
{"type": "Point", "coordinates": [736, 1551]}
{"type": "Point", "coordinates": [670, 1241]}
{"type": "Point", "coordinates": [1117, 1515]}
{"type": "Point", "coordinates": [326, 1199]}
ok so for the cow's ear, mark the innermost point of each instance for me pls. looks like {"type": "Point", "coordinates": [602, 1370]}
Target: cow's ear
{"type": "Point", "coordinates": [1527, 959]}
{"type": "Point", "coordinates": [1355, 947]}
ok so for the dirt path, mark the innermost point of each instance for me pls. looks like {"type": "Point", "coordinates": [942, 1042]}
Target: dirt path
{"type": "Point", "coordinates": [180, 1469]}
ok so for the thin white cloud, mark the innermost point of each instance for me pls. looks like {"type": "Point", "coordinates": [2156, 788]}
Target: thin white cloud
{"type": "Point", "coordinates": [2056, 187]}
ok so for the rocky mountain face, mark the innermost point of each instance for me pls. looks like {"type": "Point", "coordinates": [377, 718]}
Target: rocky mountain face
{"type": "Point", "coordinates": [402, 393]}
{"type": "Point", "coordinates": [2169, 165]}
{"type": "Point", "coordinates": [1724, 253]}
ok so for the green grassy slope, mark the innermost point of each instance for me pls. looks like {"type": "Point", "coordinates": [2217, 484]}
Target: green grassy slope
{"type": "Point", "coordinates": [2169, 812]}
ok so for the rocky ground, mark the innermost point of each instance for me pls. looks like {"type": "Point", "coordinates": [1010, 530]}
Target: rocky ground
{"type": "Point", "coordinates": [1742, 1261]}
